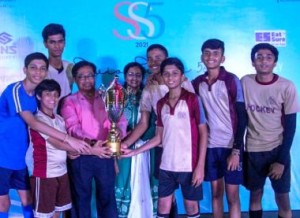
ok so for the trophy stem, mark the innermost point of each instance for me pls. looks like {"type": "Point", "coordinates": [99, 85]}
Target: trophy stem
{"type": "Point", "coordinates": [114, 140]}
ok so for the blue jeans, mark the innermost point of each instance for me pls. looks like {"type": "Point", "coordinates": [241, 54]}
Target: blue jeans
{"type": "Point", "coordinates": [82, 171]}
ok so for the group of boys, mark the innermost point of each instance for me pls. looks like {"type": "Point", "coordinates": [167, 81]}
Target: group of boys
{"type": "Point", "coordinates": [264, 104]}
{"type": "Point", "coordinates": [202, 134]}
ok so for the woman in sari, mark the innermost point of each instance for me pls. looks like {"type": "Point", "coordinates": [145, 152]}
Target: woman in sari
{"type": "Point", "coordinates": [133, 198]}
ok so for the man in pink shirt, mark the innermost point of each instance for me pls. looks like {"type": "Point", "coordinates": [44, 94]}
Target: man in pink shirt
{"type": "Point", "coordinates": [86, 118]}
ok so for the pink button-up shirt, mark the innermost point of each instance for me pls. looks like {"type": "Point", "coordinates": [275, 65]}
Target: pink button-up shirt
{"type": "Point", "coordinates": [88, 119]}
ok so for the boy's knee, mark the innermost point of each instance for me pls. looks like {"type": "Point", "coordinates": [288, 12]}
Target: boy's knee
{"type": "Point", "coordinates": [164, 204]}
{"type": "Point", "coordinates": [233, 199]}
{"type": "Point", "coordinates": [191, 207]}
{"type": "Point", "coordinates": [256, 195]}
{"type": "Point", "coordinates": [4, 203]}
{"type": "Point", "coordinates": [25, 197]}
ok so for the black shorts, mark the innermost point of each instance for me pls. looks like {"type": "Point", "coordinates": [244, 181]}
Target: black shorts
{"type": "Point", "coordinates": [256, 169]}
{"type": "Point", "coordinates": [169, 182]}
{"type": "Point", "coordinates": [216, 166]}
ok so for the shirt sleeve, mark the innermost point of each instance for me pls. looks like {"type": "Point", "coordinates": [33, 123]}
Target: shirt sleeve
{"type": "Point", "coordinates": [187, 85]}
{"type": "Point", "coordinates": [239, 90]}
{"type": "Point", "coordinates": [145, 104]}
{"type": "Point", "coordinates": [15, 101]}
{"type": "Point", "coordinates": [241, 115]}
{"type": "Point", "coordinates": [291, 102]}
{"type": "Point", "coordinates": [71, 117]}
{"type": "Point", "coordinates": [159, 119]}
{"type": "Point", "coordinates": [289, 127]}
{"type": "Point", "coordinates": [202, 118]}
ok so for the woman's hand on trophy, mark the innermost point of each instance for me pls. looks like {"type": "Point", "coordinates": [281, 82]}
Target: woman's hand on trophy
{"type": "Point", "coordinates": [127, 152]}
{"type": "Point", "coordinates": [79, 145]}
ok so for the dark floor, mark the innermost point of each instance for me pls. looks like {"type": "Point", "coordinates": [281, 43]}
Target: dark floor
{"type": "Point", "coordinates": [269, 214]}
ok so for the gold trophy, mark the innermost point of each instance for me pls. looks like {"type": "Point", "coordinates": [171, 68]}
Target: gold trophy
{"type": "Point", "coordinates": [114, 104]}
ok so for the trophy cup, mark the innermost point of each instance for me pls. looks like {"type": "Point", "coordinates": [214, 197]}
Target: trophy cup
{"type": "Point", "coordinates": [114, 104]}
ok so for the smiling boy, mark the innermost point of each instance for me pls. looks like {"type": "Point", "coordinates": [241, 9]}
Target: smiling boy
{"type": "Point", "coordinates": [272, 105]}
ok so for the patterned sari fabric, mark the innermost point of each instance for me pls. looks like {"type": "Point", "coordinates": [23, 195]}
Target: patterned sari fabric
{"type": "Point", "coordinates": [134, 186]}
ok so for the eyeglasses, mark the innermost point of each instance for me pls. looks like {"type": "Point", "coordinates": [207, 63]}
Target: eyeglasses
{"type": "Point", "coordinates": [136, 75]}
{"type": "Point", "coordinates": [83, 77]}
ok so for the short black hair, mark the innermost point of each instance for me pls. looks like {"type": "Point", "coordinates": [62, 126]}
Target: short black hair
{"type": "Point", "coordinates": [134, 64]}
{"type": "Point", "coordinates": [172, 61]}
{"type": "Point", "coordinates": [267, 46]}
{"type": "Point", "coordinates": [35, 56]}
{"type": "Point", "coordinates": [81, 64]}
{"type": "Point", "coordinates": [53, 29]}
{"type": "Point", "coordinates": [158, 46]}
{"type": "Point", "coordinates": [47, 85]}
{"type": "Point", "coordinates": [213, 44]}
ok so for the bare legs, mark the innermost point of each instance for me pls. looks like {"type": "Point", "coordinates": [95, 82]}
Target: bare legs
{"type": "Point", "coordinates": [232, 195]}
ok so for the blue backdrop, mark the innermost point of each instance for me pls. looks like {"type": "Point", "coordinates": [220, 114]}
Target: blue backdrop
{"type": "Point", "coordinates": [113, 33]}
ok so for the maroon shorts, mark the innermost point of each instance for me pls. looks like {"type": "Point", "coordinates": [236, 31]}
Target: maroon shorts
{"type": "Point", "coordinates": [50, 195]}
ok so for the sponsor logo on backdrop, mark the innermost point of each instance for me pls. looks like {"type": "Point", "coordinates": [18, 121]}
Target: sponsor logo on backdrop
{"type": "Point", "coordinates": [274, 37]}
{"type": "Point", "coordinates": [5, 38]}
{"type": "Point", "coordinates": [7, 45]}
{"type": "Point", "coordinates": [141, 21]}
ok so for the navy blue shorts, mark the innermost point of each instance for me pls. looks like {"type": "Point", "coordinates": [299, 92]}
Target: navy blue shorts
{"type": "Point", "coordinates": [256, 169]}
{"type": "Point", "coordinates": [169, 181]}
{"type": "Point", "coordinates": [13, 179]}
{"type": "Point", "coordinates": [216, 166]}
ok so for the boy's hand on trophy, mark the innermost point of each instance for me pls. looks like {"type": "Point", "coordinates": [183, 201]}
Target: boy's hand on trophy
{"type": "Point", "coordinates": [102, 151]}
{"type": "Point", "coordinates": [73, 155]}
{"type": "Point", "coordinates": [79, 145]}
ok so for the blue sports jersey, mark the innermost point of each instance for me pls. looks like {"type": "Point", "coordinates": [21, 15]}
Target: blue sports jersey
{"type": "Point", "coordinates": [14, 138]}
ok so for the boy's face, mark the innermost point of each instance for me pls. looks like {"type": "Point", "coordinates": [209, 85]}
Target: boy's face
{"type": "Point", "coordinates": [264, 61]}
{"type": "Point", "coordinates": [172, 76]}
{"type": "Point", "coordinates": [154, 59]}
{"type": "Point", "coordinates": [36, 71]}
{"type": "Point", "coordinates": [134, 77]}
{"type": "Point", "coordinates": [48, 101]}
{"type": "Point", "coordinates": [85, 79]}
{"type": "Point", "coordinates": [212, 58]}
{"type": "Point", "coordinates": [55, 45]}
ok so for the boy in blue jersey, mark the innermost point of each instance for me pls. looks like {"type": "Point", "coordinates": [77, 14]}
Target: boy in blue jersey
{"type": "Point", "coordinates": [17, 106]}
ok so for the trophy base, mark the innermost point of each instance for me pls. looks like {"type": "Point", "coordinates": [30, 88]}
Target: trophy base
{"type": "Point", "coordinates": [116, 154]}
